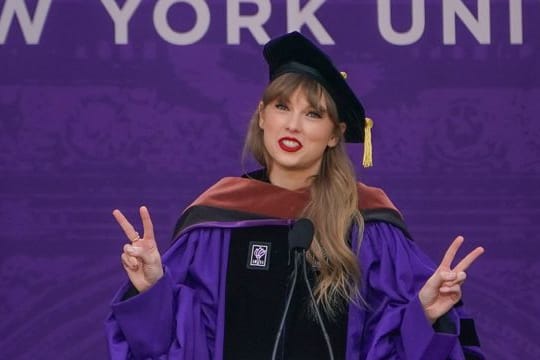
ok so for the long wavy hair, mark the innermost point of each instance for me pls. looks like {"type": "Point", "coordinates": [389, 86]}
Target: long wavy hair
{"type": "Point", "coordinates": [333, 205]}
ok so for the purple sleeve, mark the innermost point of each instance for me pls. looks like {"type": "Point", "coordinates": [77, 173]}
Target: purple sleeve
{"type": "Point", "coordinates": [172, 319]}
{"type": "Point", "coordinates": [394, 325]}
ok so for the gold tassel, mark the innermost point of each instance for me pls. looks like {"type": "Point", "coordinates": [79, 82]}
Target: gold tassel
{"type": "Point", "coordinates": [367, 161]}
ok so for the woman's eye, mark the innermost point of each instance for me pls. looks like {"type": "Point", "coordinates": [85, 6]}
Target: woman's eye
{"type": "Point", "coordinates": [314, 114]}
{"type": "Point", "coordinates": [280, 106]}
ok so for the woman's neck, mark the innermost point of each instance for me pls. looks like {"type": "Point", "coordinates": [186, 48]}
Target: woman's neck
{"type": "Point", "coordinates": [290, 180]}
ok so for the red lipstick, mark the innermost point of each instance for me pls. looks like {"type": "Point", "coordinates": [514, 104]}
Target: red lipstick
{"type": "Point", "coordinates": [289, 144]}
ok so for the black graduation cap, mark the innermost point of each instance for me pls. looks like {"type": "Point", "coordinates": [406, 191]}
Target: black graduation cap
{"type": "Point", "coordinates": [294, 53]}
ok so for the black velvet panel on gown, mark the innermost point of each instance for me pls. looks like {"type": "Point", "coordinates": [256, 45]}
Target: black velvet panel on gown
{"type": "Point", "coordinates": [255, 301]}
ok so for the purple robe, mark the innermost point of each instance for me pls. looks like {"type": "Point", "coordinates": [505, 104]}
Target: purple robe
{"type": "Point", "coordinates": [182, 316]}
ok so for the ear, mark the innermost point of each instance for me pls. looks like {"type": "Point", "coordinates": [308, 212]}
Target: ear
{"type": "Point", "coordinates": [260, 110]}
{"type": "Point", "coordinates": [336, 136]}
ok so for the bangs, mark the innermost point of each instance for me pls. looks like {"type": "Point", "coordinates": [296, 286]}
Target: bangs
{"type": "Point", "coordinates": [284, 86]}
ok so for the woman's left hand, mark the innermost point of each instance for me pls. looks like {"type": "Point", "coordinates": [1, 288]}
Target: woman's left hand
{"type": "Point", "coordinates": [443, 289]}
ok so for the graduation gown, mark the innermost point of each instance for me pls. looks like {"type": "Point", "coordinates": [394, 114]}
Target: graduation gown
{"type": "Point", "coordinates": [226, 276]}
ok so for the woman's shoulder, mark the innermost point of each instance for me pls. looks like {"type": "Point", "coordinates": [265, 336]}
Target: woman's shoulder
{"type": "Point", "coordinates": [370, 197]}
{"type": "Point", "coordinates": [377, 208]}
{"type": "Point", "coordinates": [252, 197]}
{"type": "Point", "coordinates": [242, 198]}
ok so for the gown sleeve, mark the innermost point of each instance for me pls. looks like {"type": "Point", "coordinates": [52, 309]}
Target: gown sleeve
{"type": "Point", "coordinates": [395, 327]}
{"type": "Point", "coordinates": [177, 317]}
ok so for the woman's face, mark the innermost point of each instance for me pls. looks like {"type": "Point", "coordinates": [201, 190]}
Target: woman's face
{"type": "Point", "coordinates": [295, 135]}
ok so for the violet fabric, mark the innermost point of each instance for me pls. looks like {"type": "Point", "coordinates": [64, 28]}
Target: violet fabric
{"type": "Point", "coordinates": [195, 267]}
{"type": "Point", "coordinates": [190, 295]}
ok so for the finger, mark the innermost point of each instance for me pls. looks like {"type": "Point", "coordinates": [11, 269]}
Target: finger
{"type": "Point", "coordinates": [445, 278]}
{"type": "Point", "coordinates": [132, 250]}
{"type": "Point", "coordinates": [147, 223]}
{"type": "Point", "coordinates": [451, 252]}
{"type": "Point", "coordinates": [129, 262]}
{"type": "Point", "coordinates": [469, 259]}
{"type": "Point", "coordinates": [456, 289]}
{"type": "Point", "coordinates": [133, 261]}
{"type": "Point", "coordinates": [448, 276]}
{"type": "Point", "coordinates": [453, 276]}
{"type": "Point", "coordinates": [147, 256]}
{"type": "Point", "coordinates": [458, 279]}
{"type": "Point", "coordinates": [126, 226]}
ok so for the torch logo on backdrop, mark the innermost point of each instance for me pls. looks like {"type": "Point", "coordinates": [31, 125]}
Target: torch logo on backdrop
{"type": "Point", "coordinates": [258, 256]}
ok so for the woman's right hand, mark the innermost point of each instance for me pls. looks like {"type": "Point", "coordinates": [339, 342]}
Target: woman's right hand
{"type": "Point", "coordinates": [141, 258]}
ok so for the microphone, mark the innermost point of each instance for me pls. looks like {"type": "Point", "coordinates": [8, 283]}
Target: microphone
{"type": "Point", "coordinates": [301, 235]}
{"type": "Point", "coordinates": [300, 238]}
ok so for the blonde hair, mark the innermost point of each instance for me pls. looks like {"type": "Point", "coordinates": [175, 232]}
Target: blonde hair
{"type": "Point", "coordinates": [333, 205]}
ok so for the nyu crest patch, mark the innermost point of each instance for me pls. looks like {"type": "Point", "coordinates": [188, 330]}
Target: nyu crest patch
{"type": "Point", "coordinates": [258, 256]}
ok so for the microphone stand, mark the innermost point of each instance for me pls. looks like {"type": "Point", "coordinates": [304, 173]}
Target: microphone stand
{"type": "Point", "coordinates": [297, 256]}
{"type": "Point", "coordinates": [314, 304]}
{"type": "Point", "coordinates": [300, 238]}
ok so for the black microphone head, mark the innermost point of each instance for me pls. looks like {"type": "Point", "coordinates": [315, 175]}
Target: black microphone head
{"type": "Point", "coordinates": [301, 235]}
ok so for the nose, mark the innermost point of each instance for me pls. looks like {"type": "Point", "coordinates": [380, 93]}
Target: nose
{"type": "Point", "coordinates": [294, 123]}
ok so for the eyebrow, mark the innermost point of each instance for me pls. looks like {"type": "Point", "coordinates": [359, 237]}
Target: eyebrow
{"type": "Point", "coordinates": [321, 109]}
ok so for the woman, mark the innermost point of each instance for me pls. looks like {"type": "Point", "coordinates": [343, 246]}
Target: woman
{"type": "Point", "coordinates": [220, 289]}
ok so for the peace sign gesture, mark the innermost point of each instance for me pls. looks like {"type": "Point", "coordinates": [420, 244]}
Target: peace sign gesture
{"type": "Point", "coordinates": [443, 289]}
{"type": "Point", "coordinates": [141, 258]}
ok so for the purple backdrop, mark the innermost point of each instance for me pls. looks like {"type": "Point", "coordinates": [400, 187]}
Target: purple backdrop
{"type": "Point", "coordinates": [151, 111]}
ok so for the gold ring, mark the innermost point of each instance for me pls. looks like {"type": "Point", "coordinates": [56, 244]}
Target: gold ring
{"type": "Point", "coordinates": [136, 238]}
